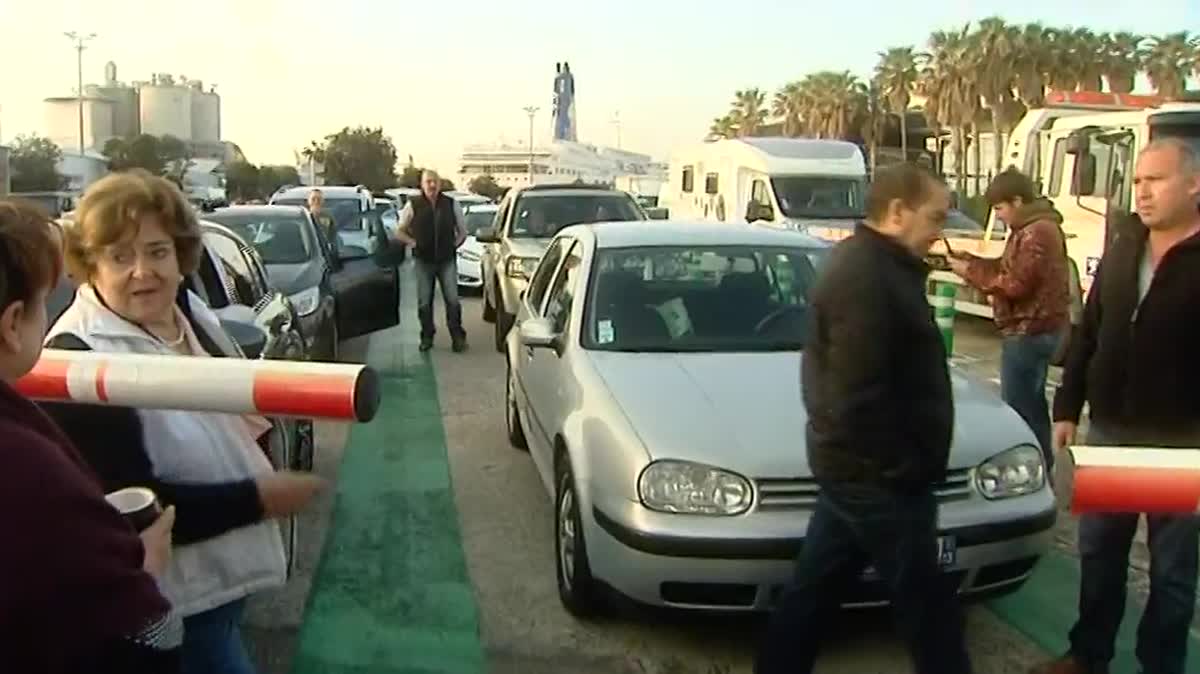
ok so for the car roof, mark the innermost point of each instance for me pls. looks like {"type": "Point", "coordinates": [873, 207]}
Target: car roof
{"type": "Point", "coordinates": [538, 192]}
{"type": "Point", "coordinates": [631, 233]}
{"type": "Point", "coordinates": [257, 209]}
{"type": "Point", "coordinates": [340, 191]}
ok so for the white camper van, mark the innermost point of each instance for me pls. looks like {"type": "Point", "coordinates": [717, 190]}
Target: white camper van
{"type": "Point", "coordinates": [791, 183]}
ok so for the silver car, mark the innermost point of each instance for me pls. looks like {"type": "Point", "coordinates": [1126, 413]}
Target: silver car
{"type": "Point", "coordinates": [654, 376]}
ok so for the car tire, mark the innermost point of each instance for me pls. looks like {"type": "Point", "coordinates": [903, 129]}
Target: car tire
{"type": "Point", "coordinates": [512, 419]}
{"type": "Point", "coordinates": [504, 323]}
{"type": "Point", "coordinates": [577, 589]}
{"type": "Point", "coordinates": [489, 311]}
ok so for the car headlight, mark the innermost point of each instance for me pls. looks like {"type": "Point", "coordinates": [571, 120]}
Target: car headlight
{"type": "Point", "coordinates": [469, 256]}
{"type": "Point", "coordinates": [521, 267]}
{"type": "Point", "coordinates": [693, 488]}
{"type": "Point", "coordinates": [306, 301]}
{"type": "Point", "coordinates": [1016, 471]}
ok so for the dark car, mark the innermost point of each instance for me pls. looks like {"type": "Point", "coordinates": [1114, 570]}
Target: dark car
{"type": "Point", "coordinates": [340, 291]}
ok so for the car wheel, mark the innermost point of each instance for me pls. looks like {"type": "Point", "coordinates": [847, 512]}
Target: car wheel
{"type": "Point", "coordinates": [576, 587]}
{"type": "Point", "coordinates": [512, 420]}
{"type": "Point", "coordinates": [335, 340]}
{"type": "Point", "coordinates": [304, 444]}
{"type": "Point", "coordinates": [489, 311]}
{"type": "Point", "coordinates": [504, 323]}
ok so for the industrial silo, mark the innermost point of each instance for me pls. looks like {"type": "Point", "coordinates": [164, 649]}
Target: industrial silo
{"type": "Point", "coordinates": [166, 108]}
{"type": "Point", "coordinates": [206, 114]}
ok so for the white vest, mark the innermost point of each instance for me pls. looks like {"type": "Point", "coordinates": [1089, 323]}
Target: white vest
{"type": "Point", "coordinates": [193, 447]}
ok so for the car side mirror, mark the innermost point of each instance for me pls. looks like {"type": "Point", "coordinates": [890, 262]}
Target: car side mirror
{"type": "Point", "coordinates": [657, 212]}
{"type": "Point", "coordinates": [487, 235]}
{"type": "Point", "coordinates": [757, 211]}
{"type": "Point", "coordinates": [249, 337]}
{"type": "Point", "coordinates": [537, 333]}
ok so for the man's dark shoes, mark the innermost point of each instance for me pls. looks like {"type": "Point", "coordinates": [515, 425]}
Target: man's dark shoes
{"type": "Point", "coordinates": [459, 345]}
{"type": "Point", "coordinates": [426, 344]}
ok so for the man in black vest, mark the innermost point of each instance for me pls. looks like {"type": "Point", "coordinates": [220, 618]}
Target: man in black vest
{"type": "Point", "coordinates": [434, 225]}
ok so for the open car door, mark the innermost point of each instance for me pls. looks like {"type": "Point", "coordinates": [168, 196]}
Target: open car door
{"type": "Point", "coordinates": [366, 283]}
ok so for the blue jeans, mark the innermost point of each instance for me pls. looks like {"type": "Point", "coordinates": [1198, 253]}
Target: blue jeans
{"type": "Point", "coordinates": [897, 531]}
{"type": "Point", "coordinates": [1024, 362]}
{"type": "Point", "coordinates": [212, 642]}
{"type": "Point", "coordinates": [446, 276]}
{"type": "Point", "coordinates": [1104, 543]}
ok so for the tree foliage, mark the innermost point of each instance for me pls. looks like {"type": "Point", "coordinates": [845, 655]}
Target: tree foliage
{"type": "Point", "coordinates": [245, 181]}
{"type": "Point", "coordinates": [166, 156]}
{"type": "Point", "coordinates": [358, 156]}
{"type": "Point", "coordinates": [34, 165]}
{"type": "Point", "coordinates": [485, 185]}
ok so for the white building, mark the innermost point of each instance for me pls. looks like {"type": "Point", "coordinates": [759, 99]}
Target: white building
{"type": "Point", "coordinates": [62, 122]}
{"type": "Point", "coordinates": [561, 161]}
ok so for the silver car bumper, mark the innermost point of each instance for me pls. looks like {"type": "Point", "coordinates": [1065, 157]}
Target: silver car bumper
{"type": "Point", "coordinates": [725, 573]}
{"type": "Point", "coordinates": [470, 273]}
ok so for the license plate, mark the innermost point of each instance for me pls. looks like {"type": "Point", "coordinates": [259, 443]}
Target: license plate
{"type": "Point", "coordinates": [947, 556]}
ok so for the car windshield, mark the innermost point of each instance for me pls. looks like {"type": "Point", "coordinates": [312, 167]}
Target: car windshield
{"type": "Point", "coordinates": [542, 216]}
{"type": "Point", "coordinates": [345, 212]}
{"type": "Point", "coordinates": [820, 196]}
{"type": "Point", "coordinates": [477, 220]}
{"type": "Point", "coordinates": [279, 239]}
{"type": "Point", "coordinates": [700, 298]}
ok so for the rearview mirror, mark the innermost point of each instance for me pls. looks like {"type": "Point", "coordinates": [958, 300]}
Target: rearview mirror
{"type": "Point", "coordinates": [249, 337]}
{"type": "Point", "coordinates": [537, 333]}
{"type": "Point", "coordinates": [1079, 142]}
{"type": "Point", "coordinates": [657, 212]}
{"type": "Point", "coordinates": [487, 235]}
{"type": "Point", "coordinates": [756, 211]}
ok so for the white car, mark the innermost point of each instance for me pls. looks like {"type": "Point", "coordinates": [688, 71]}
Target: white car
{"type": "Point", "coordinates": [654, 377]}
{"type": "Point", "coordinates": [470, 254]}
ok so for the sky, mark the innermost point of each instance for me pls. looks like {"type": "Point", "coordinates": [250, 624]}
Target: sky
{"type": "Point", "coordinates": [437, 76]}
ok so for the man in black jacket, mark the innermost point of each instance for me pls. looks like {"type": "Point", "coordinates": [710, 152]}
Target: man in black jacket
{"type": "Point", "coordinates": [1137, 365]}
{"type": "Point", "coordinates": [880, 419]}
{"type": "Point", "coordinates": [434, 225]}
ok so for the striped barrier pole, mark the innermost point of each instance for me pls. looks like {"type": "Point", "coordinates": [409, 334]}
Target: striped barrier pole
{"type": "Point", "coordinates": [1135, 480]}
{"type": "Point", "coordinates": [275, 388]}
{"type": "Point", "coordinates": [943, 312]}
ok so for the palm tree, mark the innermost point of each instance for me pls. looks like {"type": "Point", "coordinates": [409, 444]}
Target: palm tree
{"type": "Point", "coordinates": [896, 76]}
{"type": "Point", "coordinates": [1168, 60]}
{"type": "Point", "coordinates": [1032, 64]}
{"type": "Point", "coordinates": [748, 111]}
{"type": "Point", "coordinates": [723, 127]}
{"type": "Point", "coordinates": [993, 49]}
{"type": "Point", "coordinates": [948, 82]}
{"type": "Point", "coordinates": [1122, 60]}
{"type": "Point", "coordinates": [789, 106]}
{"type": "Point", "coordinates": [871, 119]}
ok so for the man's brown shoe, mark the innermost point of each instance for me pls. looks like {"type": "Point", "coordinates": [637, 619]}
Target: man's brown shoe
{"type": "Point", "coordinates": [1067, 665]}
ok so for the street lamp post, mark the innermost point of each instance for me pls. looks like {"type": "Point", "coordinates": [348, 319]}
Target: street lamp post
{"type": "Point", "coordinates": [80, 42]}
{"type": "Point", "coordinates": [531, 110]}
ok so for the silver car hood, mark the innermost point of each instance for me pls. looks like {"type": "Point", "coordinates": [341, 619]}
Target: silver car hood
{"type": "Point", "coordinates": [472, 245]}
{"type": "Point", "coordinates": [743, 411]}
{"type": "Point", "coordinates": [528, 247]}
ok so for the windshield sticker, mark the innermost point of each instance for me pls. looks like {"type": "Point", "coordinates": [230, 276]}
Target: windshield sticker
{"type": "Point", "coordinates": [604, 332]}
{"type": "Point", "coordinates": [674, 313]}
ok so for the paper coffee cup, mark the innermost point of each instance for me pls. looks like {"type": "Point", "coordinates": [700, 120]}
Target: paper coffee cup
{"type": "Point", "coordinates": [137, 504]}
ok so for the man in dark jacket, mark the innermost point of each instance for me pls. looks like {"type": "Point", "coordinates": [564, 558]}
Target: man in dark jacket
{"type": "Point", "coordinates": [1030, 289]}
{"type": "Point", "coordinates": [434, 225]}
{"type": "Point", "coordinates": [1136, 364]}
{"type": "Point", "coordinates": [880, 419]}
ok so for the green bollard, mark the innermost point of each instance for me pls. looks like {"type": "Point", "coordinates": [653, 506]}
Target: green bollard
{"type": "Point", "coordinates": [943, 312]}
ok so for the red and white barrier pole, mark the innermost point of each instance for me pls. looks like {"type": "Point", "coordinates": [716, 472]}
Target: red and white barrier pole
{"type": "Point", "coordinates": [1136, 480]}
{"type": "Point", "coordinates": [281, 388]}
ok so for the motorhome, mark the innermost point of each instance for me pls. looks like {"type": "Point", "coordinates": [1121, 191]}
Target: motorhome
{"type": "Point", "coordinates": [1080, 149]}
{"type": "Point", "coordinates": [816, 186]}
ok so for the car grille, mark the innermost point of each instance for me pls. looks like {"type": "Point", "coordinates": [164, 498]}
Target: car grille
{"type": "Point", "coordinates": [801, 493]}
